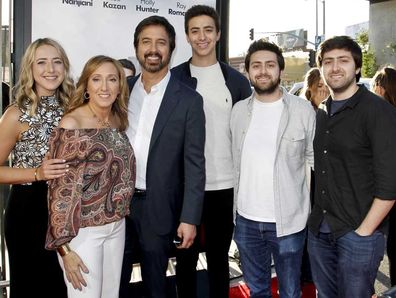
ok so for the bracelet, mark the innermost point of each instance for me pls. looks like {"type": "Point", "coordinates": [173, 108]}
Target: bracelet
{"type": "Point", "coordinates": [64, 249]}
{"type": "Point", "coordinates": [35, 174]}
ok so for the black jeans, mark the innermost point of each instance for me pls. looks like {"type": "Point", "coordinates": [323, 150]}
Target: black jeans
{"type": "Point", "coordinates": [217, 227]}
{"type": "Point", "coordinates": [391, 246]}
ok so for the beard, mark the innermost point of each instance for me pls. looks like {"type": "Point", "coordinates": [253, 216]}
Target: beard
{"type": "Point", "coordinates": [153, 68]}
{"type": "Point", "coordinates": [341, 88]}
{"type": "Point", "coordinates": [267, 90]}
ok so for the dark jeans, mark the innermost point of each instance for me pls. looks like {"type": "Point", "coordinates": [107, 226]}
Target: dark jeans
{"type": "Point", "coordinates": [391, 246]}
{"type": "Point", "coordinates": [256, 242]}
{"type": "Point", "coordinates": [218, 226]}
{"type": "Point", "coordinates": [345, 267]}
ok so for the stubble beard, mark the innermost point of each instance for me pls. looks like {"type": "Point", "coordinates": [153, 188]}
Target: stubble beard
{"type": "Point", "coordinates": [342, 88]}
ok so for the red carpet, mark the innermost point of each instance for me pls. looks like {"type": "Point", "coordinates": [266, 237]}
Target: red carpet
{"type": "Point", "coordinates": [242, 291]}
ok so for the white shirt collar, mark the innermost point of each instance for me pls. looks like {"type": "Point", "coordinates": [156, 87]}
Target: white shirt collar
{"type": "Point", "coordinates": [160, 86]}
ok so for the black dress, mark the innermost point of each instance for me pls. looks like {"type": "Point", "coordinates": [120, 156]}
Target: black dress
{"type": "Point", "coordinates": [34, 271]}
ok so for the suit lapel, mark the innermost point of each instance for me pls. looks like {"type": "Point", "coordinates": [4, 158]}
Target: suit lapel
{"type": "Point", "coordinates": [170, 100]}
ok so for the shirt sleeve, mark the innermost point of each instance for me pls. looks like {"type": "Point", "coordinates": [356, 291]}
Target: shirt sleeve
{"type": "Point", "coordinates": [382, 134]}
{"type": "Point", "coordinates": [310, 133]}
{"type": "Point", "coordinates": [64, 193]}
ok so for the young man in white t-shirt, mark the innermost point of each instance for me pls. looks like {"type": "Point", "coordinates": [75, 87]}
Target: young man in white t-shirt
{"type": "Point", "coordinates": [272, 133]}
{"type": "Point", "coordinates": [221, 87]}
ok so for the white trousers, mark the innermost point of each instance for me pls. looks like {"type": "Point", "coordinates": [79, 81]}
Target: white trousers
{"type": "Point", "coordinates": [101, 249]}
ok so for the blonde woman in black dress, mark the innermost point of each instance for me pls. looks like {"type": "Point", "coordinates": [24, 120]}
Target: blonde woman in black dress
{"type": "Point", "coordinates": [43, 90]}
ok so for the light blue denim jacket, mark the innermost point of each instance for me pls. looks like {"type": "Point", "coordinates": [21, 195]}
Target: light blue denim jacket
{"type": "Point", "coordinates": [294, 155]}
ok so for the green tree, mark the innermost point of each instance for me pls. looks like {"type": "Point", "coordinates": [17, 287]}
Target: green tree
{"type": "Point", "coordinates": [369, 65]}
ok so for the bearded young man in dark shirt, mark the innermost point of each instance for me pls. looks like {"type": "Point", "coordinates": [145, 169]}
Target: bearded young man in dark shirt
{"type": "Point", "coordinates": [355, 166]}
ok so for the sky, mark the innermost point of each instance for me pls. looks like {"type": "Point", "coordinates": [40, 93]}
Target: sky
{"type": "Point", "coordinates": [286, 15]}
{"type": "Point", "coordinates": [4, 12]}
{"type": "Point", "coordinates": [283, 15]}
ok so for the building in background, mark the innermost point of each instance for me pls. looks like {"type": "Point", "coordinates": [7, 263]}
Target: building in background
{"type": "Point", "coordinates": [354, 30]}
{"type": "Point", "coordinates": [382, 30]}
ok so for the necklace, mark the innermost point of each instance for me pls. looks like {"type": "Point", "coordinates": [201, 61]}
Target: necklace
{"type": "Point", "coordinates": [103, 123]}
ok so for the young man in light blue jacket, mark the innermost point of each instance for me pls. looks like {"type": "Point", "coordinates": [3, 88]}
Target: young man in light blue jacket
{"type": "Point", "coordinates": [272, 133]}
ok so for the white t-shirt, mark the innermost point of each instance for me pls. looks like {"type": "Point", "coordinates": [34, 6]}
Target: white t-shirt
{"type": "Point", "coordinates": [256, 189]}
{"type": "Point", "coordinates": [217, 106]}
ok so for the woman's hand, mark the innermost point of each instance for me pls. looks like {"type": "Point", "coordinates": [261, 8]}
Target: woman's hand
{"type": "Point", "coordinates": [322, 94]}
{"type": "Point", "coordinates": [51, 169]}
{"type": "Point", "coordinates": [74, 266]}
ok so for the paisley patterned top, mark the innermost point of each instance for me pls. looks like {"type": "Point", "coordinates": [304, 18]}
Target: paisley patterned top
{"type": "Point", "coordinates": [30, 150]}
{"type": "Point", "coordinates": [98, 186]}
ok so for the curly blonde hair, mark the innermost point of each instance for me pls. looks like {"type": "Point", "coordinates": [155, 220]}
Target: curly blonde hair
{"type": "Point", "coordinates": [25, 87]}
{"type": "Point", "coordinates": [120, 106]}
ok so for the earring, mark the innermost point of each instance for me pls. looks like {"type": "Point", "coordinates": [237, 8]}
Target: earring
{"type": "Point", "coordinates": [86, 95]}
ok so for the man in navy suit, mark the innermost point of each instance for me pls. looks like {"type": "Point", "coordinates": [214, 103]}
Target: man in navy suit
{"type": "Point", "coordinates": [167, 132]}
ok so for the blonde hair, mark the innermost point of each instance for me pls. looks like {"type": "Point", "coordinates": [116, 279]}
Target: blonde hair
{"type": "Point", "coordinates": [120, 106]}
{"type": "Point", "coordinates": [25, 89]}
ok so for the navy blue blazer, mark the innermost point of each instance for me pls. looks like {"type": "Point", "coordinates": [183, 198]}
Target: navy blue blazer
{"type": "Point", "coordinates": [175, 178]}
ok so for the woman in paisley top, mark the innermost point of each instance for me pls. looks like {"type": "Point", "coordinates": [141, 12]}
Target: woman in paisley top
{"type": "Point", "coordinates": [43, 90]}
{"type": "Point", "coordinates": [87, 206]}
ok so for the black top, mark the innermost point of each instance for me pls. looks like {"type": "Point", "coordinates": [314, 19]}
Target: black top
{"type": "Point", "coordinates": [355, 160]}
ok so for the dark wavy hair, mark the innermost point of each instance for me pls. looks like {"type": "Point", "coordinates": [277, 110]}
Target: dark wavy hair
{"type": "Point", "coordinates": [201, 10]}
{"type": "Point", "coordinates": [345, 43]}
{"type": "Point", "coordinates": [262, 45]}
{"type": "Point", "coordinates": [156, 21]}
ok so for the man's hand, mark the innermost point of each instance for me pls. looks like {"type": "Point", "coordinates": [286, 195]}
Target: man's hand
{"type": "Point", "coordinates": [187, 232]}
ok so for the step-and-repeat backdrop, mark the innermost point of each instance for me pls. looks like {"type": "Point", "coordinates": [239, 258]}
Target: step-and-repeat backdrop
{"type": "Point", "coordinates": [92, 27]}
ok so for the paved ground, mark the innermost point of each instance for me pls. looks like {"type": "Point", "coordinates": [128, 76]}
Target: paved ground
{"type": "Point", "coordinates": [383, 282]}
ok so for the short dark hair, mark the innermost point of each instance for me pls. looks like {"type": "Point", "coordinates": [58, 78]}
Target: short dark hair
{"type": "Point", "coordinates": [127, 64]}
{"type": "Point", "coordinates": [262, 45]}
{"type": "Point", "coordinates": [201, 10]}
{"type": "Point", "coordinates": [341, 42]}
{"type": "Point", "coordinates": [156, 21]}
